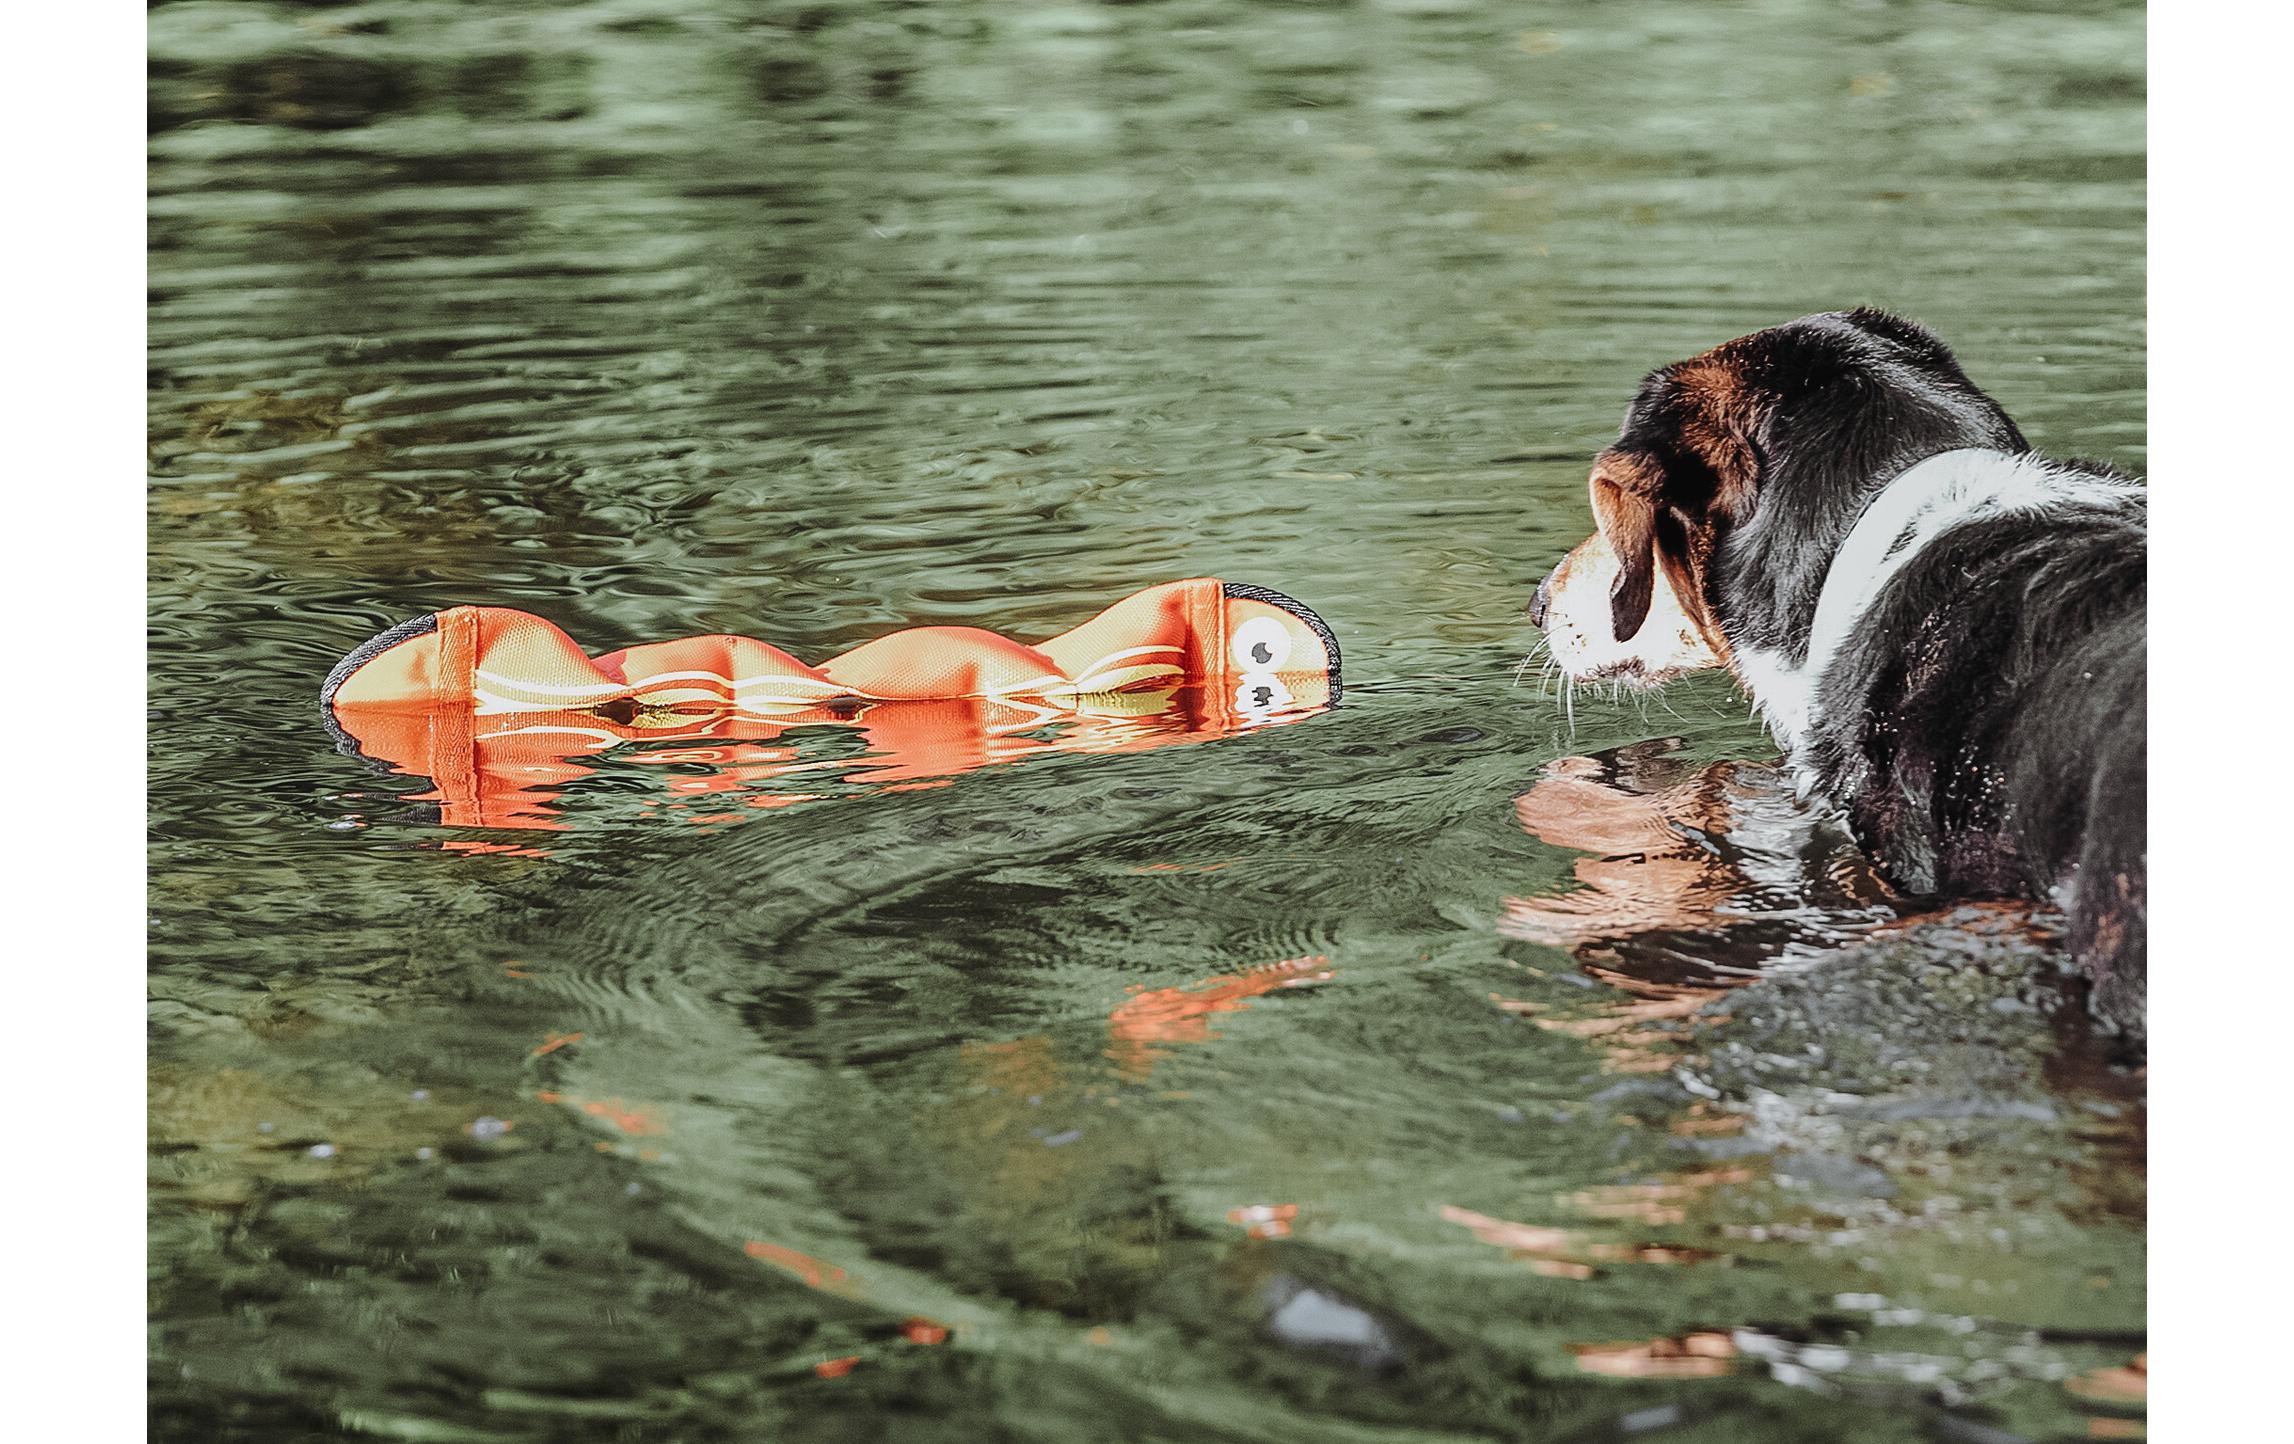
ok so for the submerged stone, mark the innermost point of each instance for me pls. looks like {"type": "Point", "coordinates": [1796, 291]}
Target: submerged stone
{"type": "Point", "coordinates": [1310, 1318]}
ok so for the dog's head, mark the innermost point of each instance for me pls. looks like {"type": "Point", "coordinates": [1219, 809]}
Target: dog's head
{"type": "Point", "coordinates": [1736, 477]}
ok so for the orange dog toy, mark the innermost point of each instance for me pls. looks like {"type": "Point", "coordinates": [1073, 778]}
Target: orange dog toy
{"type": "Point", "coordinates": [496, 706]}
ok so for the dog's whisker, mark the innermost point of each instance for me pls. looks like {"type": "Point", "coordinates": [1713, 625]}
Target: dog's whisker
{"type": "Point", "coordinates": [1542, 646]}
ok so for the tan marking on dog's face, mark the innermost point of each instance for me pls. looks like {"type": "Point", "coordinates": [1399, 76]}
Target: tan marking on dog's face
{"type": "Point", "coordinates": [1721, 413]}
{"type": "Point", "coordinates": [1642, 509]}
{"type": "Point", "coordinates": [1579, 627]}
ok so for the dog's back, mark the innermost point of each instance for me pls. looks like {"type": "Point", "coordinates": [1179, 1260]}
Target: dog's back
{"type": "Point", "coordinates": [1984, 720]}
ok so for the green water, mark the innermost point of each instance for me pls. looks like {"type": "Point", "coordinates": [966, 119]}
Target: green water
{"type": "Point", "coordinates": [815, 320]}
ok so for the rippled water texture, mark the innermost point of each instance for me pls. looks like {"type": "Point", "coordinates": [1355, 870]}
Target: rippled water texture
{"type": "Point", "coordinates": [1421, 1070]}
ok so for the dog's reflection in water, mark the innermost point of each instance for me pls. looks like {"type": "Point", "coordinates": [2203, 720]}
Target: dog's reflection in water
{"type": "Point", "coordinates": [1699, 877]}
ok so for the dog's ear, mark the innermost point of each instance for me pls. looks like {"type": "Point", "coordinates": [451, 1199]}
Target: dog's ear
{"type": "Point", "coordinates": [1626, 488]}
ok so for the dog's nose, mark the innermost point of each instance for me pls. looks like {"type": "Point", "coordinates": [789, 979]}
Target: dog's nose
{"type": "Point", "coordinates": [1537, 604]}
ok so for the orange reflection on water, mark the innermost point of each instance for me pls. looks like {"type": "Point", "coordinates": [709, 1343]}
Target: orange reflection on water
{"type": "Point", "coordinates": [1645, 871]}
{"type": "Point", "coordinates": [1264, 1220]}
{"type": "Point", "coordinates": [2127, 1384]}
{"type": "Point", "coordinates": [924, 1331]}
{"type": "Point", "coordinates": [1657, 1203]}
{"type": "Point", "coordinates": [1678, 848]}
{"type": "Point", "coordinates": [1705, 1121]}
{"type": "Point", "coordinates": [1182, 1015]}
{"type": "Point", "coordinates": [1702, 1355]}
{"type": "Point", "coordinates": [639, 1120]}
{"type": "Point", "coordinates": [813, 1272]}
{"type": "Point", "coordinates": [1629, 1032]}
{"type": "Point", "coordinates": [1647, 874]}
{"type": "Point", "coordinates": [1547, 1251]}
{"type": "Point", "coordinates": [1565, 1253]}
{"type": "Point", "coordinates": [514, 771]}
{"type": "Point", "coordinates": [1034, 1133]}
{"type": "Point", "coordinates": [1697, 877]}
{"type": "Point", "coordinates": [499, 849]}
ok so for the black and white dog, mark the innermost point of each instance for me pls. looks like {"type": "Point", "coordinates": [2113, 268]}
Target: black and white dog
{"type": "Point", "coordinates": [1943, 630]}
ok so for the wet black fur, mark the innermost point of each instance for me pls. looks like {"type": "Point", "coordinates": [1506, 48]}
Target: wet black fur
{"type": "Point", "coordinates": [1983, 726]}
{"type": "Point", "coordinates": [1845, 401]}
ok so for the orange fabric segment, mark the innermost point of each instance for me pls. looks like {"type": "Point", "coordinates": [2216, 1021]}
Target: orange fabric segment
{"type": "Point", "coordinates": [509, 661]}
{"type": "Point", "coordinates": [501, 709]}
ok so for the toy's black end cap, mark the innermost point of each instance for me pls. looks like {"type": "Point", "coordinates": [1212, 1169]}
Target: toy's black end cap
{"type": "Point", "coordinates": [1300, 610]}
{"type": "Point", "coordinates": [360, 655]}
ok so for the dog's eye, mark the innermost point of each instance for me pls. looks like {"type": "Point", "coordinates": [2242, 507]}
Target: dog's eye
{"type": "Point", "coordinates": [1261, 644]}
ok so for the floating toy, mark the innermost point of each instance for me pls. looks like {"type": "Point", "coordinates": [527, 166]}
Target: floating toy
{"type": "Point", "coordinates": [498, 708]}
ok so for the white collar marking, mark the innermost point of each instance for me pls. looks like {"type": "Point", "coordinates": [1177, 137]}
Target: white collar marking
{"type": "Point", "coordinates": [1920, 504]}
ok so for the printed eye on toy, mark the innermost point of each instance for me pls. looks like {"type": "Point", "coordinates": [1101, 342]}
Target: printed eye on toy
{"type": "Point", "coordinates": [1262, 644]}
{"type": "Point", "coordinates": [490, 704]}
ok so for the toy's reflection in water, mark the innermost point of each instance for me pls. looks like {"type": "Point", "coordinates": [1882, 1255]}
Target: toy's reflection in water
{"type": "Point", "coordinates": [1142, 1026]}
{"type": "Point", "coordinates": [727, 766]}
{"type": "Point", "coordinates": [1699, 877]}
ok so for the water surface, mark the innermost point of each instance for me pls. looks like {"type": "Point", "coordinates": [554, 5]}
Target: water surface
{"type": "Point", "coordinates": [1423, 1070]}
